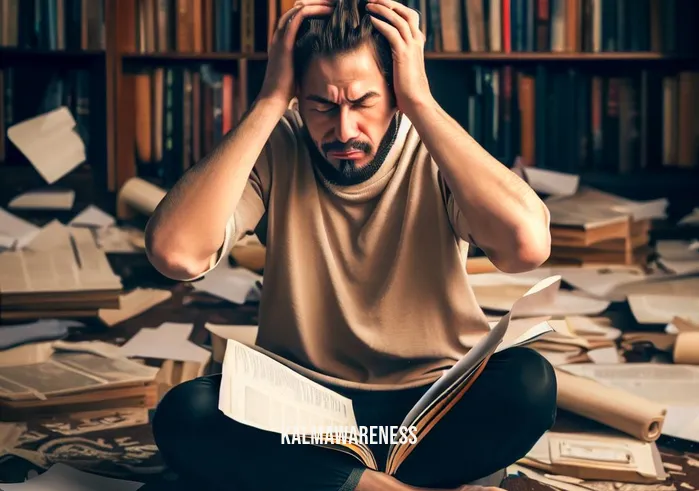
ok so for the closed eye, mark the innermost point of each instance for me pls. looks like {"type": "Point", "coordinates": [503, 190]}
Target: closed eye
{"type": "Point", "coordinates": [325, 109]}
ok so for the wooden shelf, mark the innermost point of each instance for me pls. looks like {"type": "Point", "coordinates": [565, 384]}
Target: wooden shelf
{"type": "Point", "coordinates": [15, 56]}
{"type": "Point", "coordinates": [137, 59]}
{"type": "Point", "coordinates": [489, 57]}
{"type": "Point", "coordinates": [632, 56]}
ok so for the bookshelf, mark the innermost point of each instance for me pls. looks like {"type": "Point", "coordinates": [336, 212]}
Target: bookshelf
{"type": "Point", "coordinates": [499, 56]}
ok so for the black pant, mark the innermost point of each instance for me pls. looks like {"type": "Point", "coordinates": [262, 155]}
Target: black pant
{"type": "Point", "coordinates": [498, 420]}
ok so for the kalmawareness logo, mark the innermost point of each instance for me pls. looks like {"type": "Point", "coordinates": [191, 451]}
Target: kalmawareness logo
{"type": "Point", "coordinates": [365, 435]}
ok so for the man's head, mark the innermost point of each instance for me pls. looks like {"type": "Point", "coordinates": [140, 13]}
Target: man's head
{"type": "Point", "coordinates": [344, 70]}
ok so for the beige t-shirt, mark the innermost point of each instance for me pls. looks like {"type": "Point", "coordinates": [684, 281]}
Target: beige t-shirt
{"type": "Point", "coordinates": [364, 285]}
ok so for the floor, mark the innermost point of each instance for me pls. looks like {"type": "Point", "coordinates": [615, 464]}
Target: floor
{"type": "Point", "coordinates": [130, 453]}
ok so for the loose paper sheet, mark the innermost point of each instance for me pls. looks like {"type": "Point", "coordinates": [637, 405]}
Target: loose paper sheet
{"type": "Point", "coordinates": [690, 219]}
{"type": "Point", "coordinates": [53, 235]}
{"type": "Point", "coordinates": [50, 142]}
{"type": "Point", "coordinates": [237, 285]}
{"type": "Point", "coordinates": [604, 356]}
{"type": "Point", "coordinates": [44, 199]}
{"type": "Point", "coordinates": [682, 422]}
{"type": "Point", "coordinates": [61, 477]}
{"type": "Point", "coordinates": [169, 341]}
{"type": "Point", "coordinates": [678, 256]}
{"type": "Point", "coordinates": [134, 303]}
{"type": "Point", "coordinates": [592, 328]}
{"type": "Point", "coordinates": [92, 216]}
{"type": "Point", "coordinates": [263, 393]}
{"type": "Point", "coordinates": [551, 182]}
{"type": "Point", "coordinates": [603, 282]}
{"type": "Point", "coordinates": [565, 303]}
{"type": "Point", "coordinates": [500, 291]}
{"type": "Point", "coordinates": [661, 309]}
{"type": "Point", "coordinates": [14, 231]}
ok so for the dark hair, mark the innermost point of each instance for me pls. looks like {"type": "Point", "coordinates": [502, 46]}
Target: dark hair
{"type": "Point", "coordinates": [348, 28]}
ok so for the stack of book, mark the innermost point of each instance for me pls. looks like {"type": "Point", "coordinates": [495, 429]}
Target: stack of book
{"type": "Point", "coordinates": [592, 227]}
{"type": "Point", "coordinates": [75, 383]}
{"type": "Point", "coordinates": [62, 273]}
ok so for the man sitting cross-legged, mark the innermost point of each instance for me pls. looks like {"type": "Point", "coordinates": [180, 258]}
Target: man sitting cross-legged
{"type": "Point", "coordinates": [366, 198]}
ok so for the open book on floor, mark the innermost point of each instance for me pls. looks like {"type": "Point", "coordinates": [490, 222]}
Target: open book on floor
{"type": "Point", "coordinates": [261, 392]}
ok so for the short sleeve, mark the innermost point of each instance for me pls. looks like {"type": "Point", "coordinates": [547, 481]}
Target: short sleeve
{"type": "Point", "coordinates": [252, 205]}
{"type": "Point", "coordinates": [456, 217]}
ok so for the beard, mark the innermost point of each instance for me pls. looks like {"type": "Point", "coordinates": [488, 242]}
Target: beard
{"type": "Point", "coordinates": [347, 172]}
{"type": "Point", "coordinates": [348, 167]}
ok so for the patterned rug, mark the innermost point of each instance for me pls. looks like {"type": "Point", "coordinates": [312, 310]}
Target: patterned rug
{"type": "Point", "coordinates": [108, 449]}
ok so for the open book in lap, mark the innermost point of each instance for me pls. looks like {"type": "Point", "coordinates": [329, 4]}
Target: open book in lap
{"type": "Point", "coordinates": [259, 391]}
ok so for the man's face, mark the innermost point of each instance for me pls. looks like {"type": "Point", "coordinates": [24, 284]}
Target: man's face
{"type": "Point", "coordinates": [346, 106]}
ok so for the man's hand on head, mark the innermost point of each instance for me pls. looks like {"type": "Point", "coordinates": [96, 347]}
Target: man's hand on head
{"type": "Point", "coordinates": [401, 26]}
{"type": "Point", "coordinates": [279, 83]}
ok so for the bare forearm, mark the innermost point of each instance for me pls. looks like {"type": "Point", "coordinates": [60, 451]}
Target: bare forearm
{"type": "Point", "coordinates": [188, 226]}
{"type": "Point", "coordinates": [505, 216]}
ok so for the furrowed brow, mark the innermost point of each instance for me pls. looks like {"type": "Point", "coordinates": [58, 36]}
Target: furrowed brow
{"type": "Point", "coordinates": [317, 98]}
{"type": "Point", "coordinates": [323, 100]}
{"type": "Point", "coordinates": [364, 98]}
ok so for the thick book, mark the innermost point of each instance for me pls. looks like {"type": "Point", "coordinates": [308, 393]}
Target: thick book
{"type": "Point", "coordinates": [75, 380]}
{"type": "Point", "coordinates": [262, 392]}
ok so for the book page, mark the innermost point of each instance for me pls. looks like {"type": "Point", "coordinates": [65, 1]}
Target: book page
{"type": "Point", "coordinates": [237, 285]}
{"type": "Point", "coordinates": [261, 392]}
{"type": "Point", "coordinates": [551, 182]}
{"type": "Point", "coordinates": [169, 341]}
{"type": "Point", "coordinates": [92, 216]}
{"type": "Point", "coordinates": [541, 293]}
{"type": "Point", "coordinates": [70, 372]}
{"type": "Point", "coordinates": [603, 282]}
{"type": "Point", "coordinates": [44, 199]}
{"type": "Point", "coordinates": [15, 231]}
{"type": "Point", "coordinates": [38, 271]}
{"type": "Point", "coordinates": [113, 370]}
{"type": "Point", "coordinates": [95, 270]}
{"type": "Point", "coordinates": [50, 142]}
{"type": "Point", "coordinates": [43, 379]}
{"type": "Point", "coordinates": [682, 422]}
{"type": "Point", "coordinates": [53, 235]}
{"type": "Point", "coordinates": [77, 265]}
{"type": "Point", "coordinates": [661, 309]}
{"type": "Point", "coordinates": [566, 302]}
